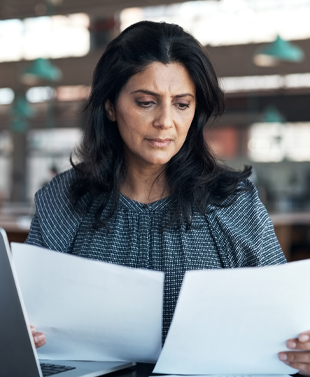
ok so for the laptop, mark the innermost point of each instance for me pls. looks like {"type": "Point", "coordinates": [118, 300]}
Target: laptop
{"type": "Point", "coordinates": [18, 356]}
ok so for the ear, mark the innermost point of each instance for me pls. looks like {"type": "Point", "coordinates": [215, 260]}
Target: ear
{"type": "Point", "coordinates": [109, 107]}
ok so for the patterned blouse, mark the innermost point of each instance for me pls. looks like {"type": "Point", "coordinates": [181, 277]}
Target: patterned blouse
{"type": "Point", "coordinates": [240, 235]}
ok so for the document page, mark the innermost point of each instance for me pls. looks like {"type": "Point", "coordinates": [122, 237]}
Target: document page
{"type": "Point", "coordinates": [90, 310]}
{"type": "Point", "coordinates": [235, 321]}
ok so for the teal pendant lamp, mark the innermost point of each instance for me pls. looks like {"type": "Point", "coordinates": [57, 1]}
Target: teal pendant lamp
{"type": "Point", "coordinates": [279, 50]}
{"type": "Point", "coordinates": [41, 70]}
{"type": "Point", "coordinates": [271, 115]}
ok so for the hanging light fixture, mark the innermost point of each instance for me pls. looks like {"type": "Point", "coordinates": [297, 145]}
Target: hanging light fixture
{"type": "Point", "coordinates": [279, 50]}
{"type": "Point", "coordinates": [41, 70]}
{"type": "Point", "coordinates": [271, 114]}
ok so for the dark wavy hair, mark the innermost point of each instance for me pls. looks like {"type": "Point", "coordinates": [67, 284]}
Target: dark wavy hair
{"type": "Point", "coordinates": [194, 176]}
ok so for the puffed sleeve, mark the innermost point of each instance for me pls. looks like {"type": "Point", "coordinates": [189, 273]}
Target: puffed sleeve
{"type": "Point", "coordinates": [56, 220]}
{"type": "Point", "coordinates": [244, 233]}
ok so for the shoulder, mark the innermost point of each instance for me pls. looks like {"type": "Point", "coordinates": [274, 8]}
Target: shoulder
{"type": "Point", "coordinates": [55, 196]}
{"type": "Point", "coordinates": [244, 230]}
{"type": "Point", "coordinates": [57, 193]}
{"type": "Point", "coordinates": [244, 203]}
{"type": "Point", "coordinates": [61, 182]}
{"type": "Point", "coordinates": [56, 213]}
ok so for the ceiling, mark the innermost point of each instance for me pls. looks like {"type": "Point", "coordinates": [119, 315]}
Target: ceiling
{"type": "Point", "coordinates": [10, 9]}
{"type": "Point", "coordinates": [228, 60]}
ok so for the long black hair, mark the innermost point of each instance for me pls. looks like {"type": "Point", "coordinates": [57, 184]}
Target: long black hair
{"type": "Point", "coordinates": [194, 176]}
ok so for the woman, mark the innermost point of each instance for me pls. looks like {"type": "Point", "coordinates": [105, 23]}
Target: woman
{"type": "Point", "coordinates": [147, 191]}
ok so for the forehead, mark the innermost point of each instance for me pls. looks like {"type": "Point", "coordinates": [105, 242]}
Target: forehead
{"type": "Point", "coordinates": [172, 78]}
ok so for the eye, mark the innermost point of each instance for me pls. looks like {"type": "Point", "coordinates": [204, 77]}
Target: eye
{"type": "Point", "coordinates": [183, 106]}
{"type": "Point", "coordinates": [145, 103]}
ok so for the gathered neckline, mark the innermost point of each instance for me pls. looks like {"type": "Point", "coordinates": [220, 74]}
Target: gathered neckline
{"type": "Point", "coordinates": [134, 205]}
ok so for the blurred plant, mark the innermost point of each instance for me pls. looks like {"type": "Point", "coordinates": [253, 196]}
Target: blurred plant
{"type": "Point", "coordinates": [21, 112]}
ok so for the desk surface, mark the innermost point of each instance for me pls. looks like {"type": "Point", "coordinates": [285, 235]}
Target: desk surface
{"type": "Point", "coordinates": [293, 218]}
{"type": "Point", "coordinates": [139, 370]}
{"type": "Point", "coordinates": [145, 370]}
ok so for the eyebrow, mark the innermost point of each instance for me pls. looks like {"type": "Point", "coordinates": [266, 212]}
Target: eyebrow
{"type": "Point", "coordinates": [157, 95]}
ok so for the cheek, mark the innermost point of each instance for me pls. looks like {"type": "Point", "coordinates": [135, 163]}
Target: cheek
{"type": "Point", "coordinates": [186, 127]}
{"type": "Point", "coordinates": [130, 133]}
{"type": "Point", "coordinates": [131, 120]}
{"type": "Point", "coordinates": [186, 120]}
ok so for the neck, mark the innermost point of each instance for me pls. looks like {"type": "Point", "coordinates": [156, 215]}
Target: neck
{"type": "Point", "coordinates": [145, 185]}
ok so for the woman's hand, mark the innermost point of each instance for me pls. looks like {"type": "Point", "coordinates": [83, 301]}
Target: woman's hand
{"type": "Point", "coordinates": [38, 337]}
{"type": "Point", "coordinates": [300, 359]}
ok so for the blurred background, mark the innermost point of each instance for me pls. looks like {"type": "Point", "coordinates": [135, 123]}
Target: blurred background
{"type": "Point", "coordinates": [261, 52]}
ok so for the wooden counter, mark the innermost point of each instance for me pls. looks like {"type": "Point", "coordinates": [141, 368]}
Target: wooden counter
{"type": "Point", "coordinates": [285, 224]}
{"type": "Point", "coordinates": [16, 227]}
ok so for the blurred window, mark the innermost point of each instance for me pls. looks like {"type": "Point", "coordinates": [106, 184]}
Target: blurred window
{"type": "Point", "coordinates": [266, 142]}
{"type": "Point", "coordinates": [5, 163]}
{"type": "Point", "coordinates": [40, 94]}
{"type": "Point", "coordinates": [53, 141]}
{"type": "Point", "coordinates": [274, 142]}
{"type": "Point", "coordinates": [298, 141]}
{"type": "Point", "coordinates": [48, 148]}
{"type": "Point", "coordinates": [61, 93]}
{"type": "Point", "coordinates": [6, 96]}
{"type": "Point", "coordinates": [247, 21]}
{"type": "Point", "coordinates": [44, 37]}
{"type": "Point", "coordinates": [264, 82]}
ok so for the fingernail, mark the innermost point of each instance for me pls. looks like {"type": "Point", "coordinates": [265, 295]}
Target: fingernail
{"type": "Point", "coordinates": [282, 356]}
{"type": "Point", "coordinates": [303, 338]}
{"type": "Point", "coordinates": [291, 344]}
{"type": "Point", "coordinates": [287, 362]}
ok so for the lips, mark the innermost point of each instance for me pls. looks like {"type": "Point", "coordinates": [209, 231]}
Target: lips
{"type": "Point", "coordinates": [156, 142]}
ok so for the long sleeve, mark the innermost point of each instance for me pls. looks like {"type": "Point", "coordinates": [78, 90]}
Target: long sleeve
{"type": "Point", "coordinates": [35, 235]}
{"type": "Point", "coordinates": [56, 220]}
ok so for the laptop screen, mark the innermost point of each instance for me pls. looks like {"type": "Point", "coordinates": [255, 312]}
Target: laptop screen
{"type": "Point", "coordinates": [16, 348]}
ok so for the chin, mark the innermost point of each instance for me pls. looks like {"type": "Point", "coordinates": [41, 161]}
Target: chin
{"type": "Point", "coordinates": [159, 161]}
{"type": "Point", "coordinates": [156, 160]}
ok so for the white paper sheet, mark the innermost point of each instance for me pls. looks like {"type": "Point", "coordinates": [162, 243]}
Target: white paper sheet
{"type": "Point", "coordinates": [236, 321]}
{"type": "Point", "coordinates": [90, 310]}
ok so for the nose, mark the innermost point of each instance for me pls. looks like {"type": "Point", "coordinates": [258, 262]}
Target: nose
{"type": "Point", "coordinates": [163, 117]}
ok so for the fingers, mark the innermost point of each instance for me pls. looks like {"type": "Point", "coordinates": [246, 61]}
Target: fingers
{"type": "Point", "coordinates": [305, 336]}
{"type": "Point", "coordinates": [300, 343]}
{"type": "Point", "coordinates": [295, 357]}
{"type": "Point", "coordinates": [297, 360]}
{"type": "Point", "coordinates": [38, 337]}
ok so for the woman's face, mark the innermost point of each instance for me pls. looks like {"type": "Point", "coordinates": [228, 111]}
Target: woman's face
{"type": "Point", "coordinates": [154, 112]}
